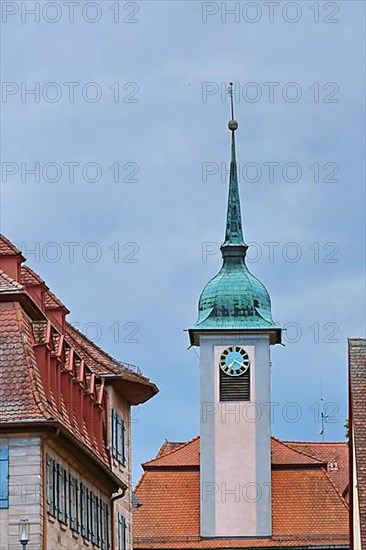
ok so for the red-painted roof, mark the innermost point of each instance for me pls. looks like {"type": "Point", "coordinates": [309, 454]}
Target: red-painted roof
{"type": "Point", "coordinates": [307, 507]}
{"type": "Point", "coordinates": [39, 362]}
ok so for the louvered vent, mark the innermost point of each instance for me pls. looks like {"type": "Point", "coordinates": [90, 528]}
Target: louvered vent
{"type": "Point", "coordinates": [235, 388]}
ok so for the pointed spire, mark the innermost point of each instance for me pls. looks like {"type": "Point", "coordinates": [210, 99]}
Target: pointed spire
{"type": "Point", "coordinates": [234, 238]}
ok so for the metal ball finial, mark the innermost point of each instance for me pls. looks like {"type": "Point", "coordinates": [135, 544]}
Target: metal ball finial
{"type": "Point", "coordinates": [233, 125]}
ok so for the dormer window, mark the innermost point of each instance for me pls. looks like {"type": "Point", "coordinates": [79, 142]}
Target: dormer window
{"type": "Point", "coordinates": [118, 438]}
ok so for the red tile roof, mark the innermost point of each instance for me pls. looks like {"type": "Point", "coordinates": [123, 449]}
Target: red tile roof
{"type": "Point", "coordinates": [7, 284]}
{"type": "Point", "coordinates": [52, 302]}
{"type": "Point", "coordinates": [168, 493]}
{"type": "Point", "coordinates": [357, 376]}
{"type": "Point", "coordinates": [30, 277]}
{"type": "Point", "coordinates": [334, 454]}
{"type": "Point", "coordinates": [7, 248]}
{"type": "Point", "coordinates": [19, 399]}
{"type": "Point", "coordinates": [39, 362]}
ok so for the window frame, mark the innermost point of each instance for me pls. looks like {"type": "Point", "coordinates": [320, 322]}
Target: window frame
{"type": "Point", "coordinates": [122, 532]}
{"type": "Point", "coordinates": [118, 438]}
{"type": "Point", "coordinates": [4, 475]}
{"type": "Point", "coordinates": [71, 502]}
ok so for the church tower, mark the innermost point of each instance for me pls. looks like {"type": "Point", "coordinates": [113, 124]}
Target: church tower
{"type": "Point", "coordinates": [234, 331]}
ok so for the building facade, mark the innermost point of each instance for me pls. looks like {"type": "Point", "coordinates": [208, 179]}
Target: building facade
{"type": "Point", "coordinates": [65, 423]}
{"type": "Point", "coordinates": [357, 433]}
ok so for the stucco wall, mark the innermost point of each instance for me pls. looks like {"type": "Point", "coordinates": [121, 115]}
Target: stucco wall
{"type": "Point", "coordinates": [123, 506]}
{"type": "Point", "coordinates": [235, 445]}
{"type": "Point", "coordinates": [25, 500]}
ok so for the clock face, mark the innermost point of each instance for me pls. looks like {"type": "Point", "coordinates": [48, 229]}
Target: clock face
{"type": "Point", "coordinates": [234, 361]}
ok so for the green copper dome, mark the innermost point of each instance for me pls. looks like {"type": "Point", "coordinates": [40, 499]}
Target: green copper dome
{"type": "Point", "coordinates": [234, 300]}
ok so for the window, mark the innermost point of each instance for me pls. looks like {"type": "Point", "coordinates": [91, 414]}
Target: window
{"type": "Point", "coordinates": [97, 521]}
{"type": "Point", "coordinates": [65, 497]}
{"type": "Point", "coordinates": [72, 503]}
{"type": "Point", "coordinates": [108, 527]}
{"type": "Point", "coordinates": [4, 474]}
{"type": "Point", "coordinates": [118, 437]}
{"type": "Point", "coordinates": [92, 516]}
{"type": "Point", "coordinates": [122, 532]}
{"type": "Point", "coordinates": [83, 509]}
{"type": "Point", "coordinates": [50, 477]}
{"type": "Point", "coordinates": [88, 525]}
{"type": "Point", "coordinates": [102, 524]}
{"type": "Point", "coordinates": [61, 493]}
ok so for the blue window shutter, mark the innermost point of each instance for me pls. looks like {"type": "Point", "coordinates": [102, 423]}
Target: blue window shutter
{"type": "Point", "coordinates": [122, 532]}
{"type": "Point", "coordinates": [113, 433]}
{"type": "Point", "coordinates": [54, 488]}
{"type": "Point", "coordinates": [92, 517]}
{"type": "Point", "coordinates": [72, 501]}
{"type": "Point", "coordinates": [82, 509]}
{"type": "Point", "coordinates": [119, 438]}
{"type": "Point", "coordinates": [125, 533]}
{"type": "Point", "coordinates": [88, 503]}
{"type": "Point", "coordinates": [49, 482]}
{"type": "Point", "coordinates": [102, 524]}
{"type": "Point", "coordinates": [119, 532]}
{"type": "Point", "coordinates": [108, 522]}
{"type": "Point", "coordinates": [58, 490]}
{"type": "Point", "coordinates": [65, 504]}
{"type": "Point", "coordinates": [77, 505]}
{"type": "Point", "coordinates": [124, 457]}
{"type": "Point", "coordinates": [4, 475]}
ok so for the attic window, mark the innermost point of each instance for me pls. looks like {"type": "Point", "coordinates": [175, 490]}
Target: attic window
{"type": "Point", "coordinates": [256, 303]}
{"type": "Point", "coordinates": [333, 466]}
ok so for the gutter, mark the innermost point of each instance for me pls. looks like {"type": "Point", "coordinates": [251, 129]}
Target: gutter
{"type": "Point", "coordinates": [113, 523]}
{"type": "Point", "coordinates": [44, 486]}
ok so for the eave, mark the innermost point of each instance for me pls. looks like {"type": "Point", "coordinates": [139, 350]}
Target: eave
{"type": "Point", "coordinates": [98, 467]}
{"type": "Point", "coordinates": [134, 391]}
{"type": "Point", "coordinates": [28, 304]}
{"type": "Point", "coordinates": [275, 333]}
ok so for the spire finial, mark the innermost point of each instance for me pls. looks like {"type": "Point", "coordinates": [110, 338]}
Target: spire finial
{"type": "Point", "coordinates": [233, 125]}
{"type": "Point", "coordinates": [234, 244]}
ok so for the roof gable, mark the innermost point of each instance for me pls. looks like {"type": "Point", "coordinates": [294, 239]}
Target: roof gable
{"type": "Point", "coordinates": [177, 455]}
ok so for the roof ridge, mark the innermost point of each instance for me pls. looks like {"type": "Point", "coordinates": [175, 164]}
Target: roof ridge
{"type": "Point", "coordinates": [11, 281]}
{"type": "Point", "coordinates": [169, 453]}
{"type": "Point", "coordinates": [315, 442]}
{"type": "Point", "coordinates": [119, 364]}
{"type": "Point", "coordinates": [34, 274]}
{"type": "Point", "coordinates": [55, 299]}
{"type": "Point", "coordinates": [139, 482]}
{"type": "Point", "coordinates": [299, 452]}
{"type": "Point", "coordinates": [175, 444]}
{"type": "Point", "coordinates": [14, 250]}
{"type": "Point", "coordinates": [336, 489]}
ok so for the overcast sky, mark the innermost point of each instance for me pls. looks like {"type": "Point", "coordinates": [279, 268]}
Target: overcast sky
{"type": "Point", "coordinates": [144, 114]}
